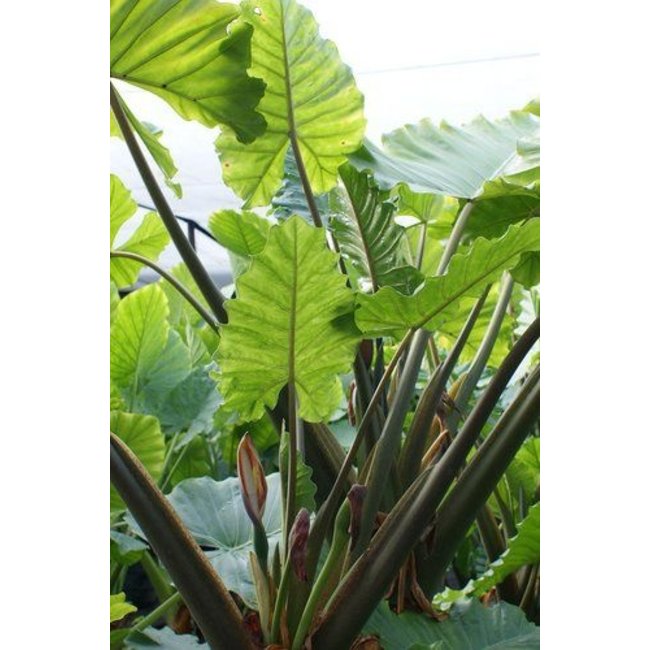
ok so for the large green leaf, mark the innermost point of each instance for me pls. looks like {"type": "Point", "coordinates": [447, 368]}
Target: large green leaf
{"type": "Point", "coordinates": [494, 163]}
{"type": "Point", "coordinates": [126, 550]}
{"type": "Point", "coordinates": [470, 627]}
{"type": "Point", "coordinates": [369, 238]}
{"type": "Point", "coordinates": [115, 300]}
{"type": "Point", "coordinates": [147, 357]}
{"type": "Point", "coordinates": [491, 218]}
{"type": "Point", "coordinates": [148, 240]}
{"type": "Point", "coordinates": [389, 312]}
{"type": "Point", "coordinates": [243, 233]}
{"type": "Point", "coordinates": [190, 405]}
{"type": "Point", "coordinates": [453, 161]}
{"type": "Point", "coordinates": [522, 549]}
{"type": "Point", "coordinates": [142, 434]}
{"type": "Point", "coordinates": [185, 52]}
{"type": "Point", "coordinates": [291, 322]}
{"type": "Point", "coordinates": [527, 271]}
{"type": "Point", "coordinates": [214, 513]}
{"type": "Point", "coordinates": [310, 94]}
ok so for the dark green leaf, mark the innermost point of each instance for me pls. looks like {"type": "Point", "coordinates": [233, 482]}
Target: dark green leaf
{"type": "Point", "coordinates": [290, 198]}
{"type": "Point", "coordinates": [126, 550]}
{"type": "Point", "coordinates": [369, 238]}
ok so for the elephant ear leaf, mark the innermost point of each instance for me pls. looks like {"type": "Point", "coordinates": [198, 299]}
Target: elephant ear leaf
{"type": "Point", "coordinates": [388, 312]}
{"type": "Point", "coordinates": [186, 52]}
{"type": "Point", "coordinates": [291, 322]}
{"type": "Point", "coordinates": [461, 162]}
{"type": "Point", "coordinates": [369, 238]}
{"type": "Point", "coordinates": [494, 163]}
{"type": "Point", "coordinates": [311, 102]}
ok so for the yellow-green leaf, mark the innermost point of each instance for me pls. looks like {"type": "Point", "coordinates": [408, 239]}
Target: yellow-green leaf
{"type": "Point", "coordinates": [291, 321]}
{"type": "Point", "coordinates": [186, 52]}
{"type": "Point", "coordinates": [309, 93]}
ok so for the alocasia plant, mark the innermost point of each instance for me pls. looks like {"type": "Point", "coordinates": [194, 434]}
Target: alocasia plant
{"type": "Point", "coordinates": [372, 379]}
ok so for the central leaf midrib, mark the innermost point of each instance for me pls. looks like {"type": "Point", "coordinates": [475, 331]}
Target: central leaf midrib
{"type": "Point", "coordinates": [466, 287]}
{"type": "Point", "coordinates": [293, 311]}
{"type": "Point", "coordinates": [371, 268]}
{"type": "Point", "coordinates": [287, 79]}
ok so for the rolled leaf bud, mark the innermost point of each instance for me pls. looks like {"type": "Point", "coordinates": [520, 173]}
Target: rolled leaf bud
{"type": "Point", "coordinates": [251, 479]}
{"type": "Point", "coordinates": [298, 544]}
{"type": "Point", "coordinates": [366, 350]}
{"type": "Point", "coordinates": [352, 398]}
{"type": "Point", "coordinates": [356, 496]}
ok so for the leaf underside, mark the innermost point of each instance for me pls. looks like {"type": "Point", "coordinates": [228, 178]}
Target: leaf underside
{"type": "Point", "coordinates": [183, 51]}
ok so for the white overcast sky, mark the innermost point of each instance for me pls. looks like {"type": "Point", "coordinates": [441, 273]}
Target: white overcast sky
{"type": "Point", "coordinates": [411, 58]}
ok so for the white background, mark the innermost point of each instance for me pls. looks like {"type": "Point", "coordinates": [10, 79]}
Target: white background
{"type": "Point", "coordinates": [55, 157]}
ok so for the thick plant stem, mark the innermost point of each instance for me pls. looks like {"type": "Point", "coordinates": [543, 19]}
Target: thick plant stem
{"type": "Point", "coordinates": [475, 484]}
{"type": "Point", "coordinates": [280, 601]}
{"type": "Point", "coordinates": [332, 563]}
{"type": "Point", "coordinates": [386, 448]}
{"type": "Point", "coordinates": [485, 349]}
{"type": "Point", "coordinates": [369, 578]}
{"type": "Point", "coordinates": [206, 596]}
{"type": "Point", "coordinates": [179, 286]}
{"type": "Point", "coordinates": [413, 448]}
{"type": "Point", "coordinates": [364, 395]}
{"type": "Point", "coordinates": [421, 246]}
{"type": "Point", "coordinates": [391, 434]}
{"type": "Point", "coordinates": [292, 469]}
{"type": "Point", "coordinates": [326, 512]}
{"type": "Point", "coordinates": [210, 292]}
{"type": "Point", "coordinates": [309, 194]}
{"type": "Point", "coordinates": [455, 237]}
